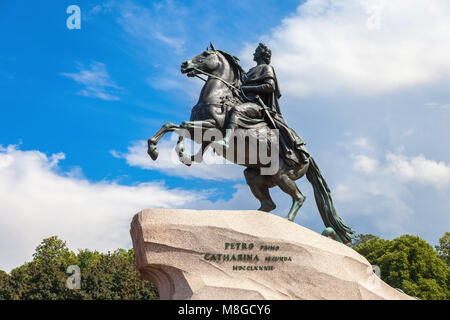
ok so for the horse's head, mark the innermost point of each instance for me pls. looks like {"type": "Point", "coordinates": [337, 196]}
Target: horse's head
{"type": "Point", "coordinates": [207, 61]}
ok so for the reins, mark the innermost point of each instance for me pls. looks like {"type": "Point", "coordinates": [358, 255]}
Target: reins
{"type": "Point", "coordinates": [220, 79]}
{"type": "Point", "coordinates": [214, 77]}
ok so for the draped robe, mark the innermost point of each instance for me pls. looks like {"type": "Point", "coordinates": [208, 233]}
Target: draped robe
{"type": "Point", "coordinates": [261, 80]}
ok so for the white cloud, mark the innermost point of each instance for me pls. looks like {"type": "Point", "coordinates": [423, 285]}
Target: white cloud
{"type": "Point", "coordinates": [96, 81]}
{"type": "Point", "coordinates": [361, 47]}
{"type": "Point", "coordinates": [405, 169]}
{"type": "Point", "coordinates": [39, 200]}
{"type": "Point", "coordinates": [392, 200]}
{"type": "Point", "coordinates": [377, 205]}
{"type": "Point", "coordinates": [364, 163]}
{"type": "Point", "coordinates": [213, 167]}
{"type": "Point", "coordinates": [418, 169]}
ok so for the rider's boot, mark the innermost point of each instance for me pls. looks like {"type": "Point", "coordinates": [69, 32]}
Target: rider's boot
{"type": "Point", "coordinates": [226, 141]}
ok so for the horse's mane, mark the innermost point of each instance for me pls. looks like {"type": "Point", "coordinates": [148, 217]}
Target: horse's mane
{"type": "Point", "coordinates": [233, 61]}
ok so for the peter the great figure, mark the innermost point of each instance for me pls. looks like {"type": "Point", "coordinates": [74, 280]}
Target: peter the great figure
{"type": "Point", "coordinates": [232, 99]}
{"type": "Point", "coordinates": [261, 81]}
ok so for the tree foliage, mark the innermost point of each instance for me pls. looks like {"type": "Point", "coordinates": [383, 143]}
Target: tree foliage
{"type": "Point", "coordinates": [443, 249]}
{"type": "Point", "coordinates": [114, 277]}
{"type": "Point", "coordinates": [108, 276]}
{"type": "Point", "coordinates": [410, 264]}
{"type": "Point", "coordinates": [360, 239]}
{"type": "Point", "coordinates": [6, 288]}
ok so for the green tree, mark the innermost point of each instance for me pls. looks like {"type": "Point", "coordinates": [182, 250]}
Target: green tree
{"type": "Point", "coordinates": [409, 263]}
{"type": "Point", "coordinates": [87, 258]}
{"type": "Point", "coordinates": [45, 277]}
{"type": "Point", "coordinates": [54, 250]}
{"type": "Point", "coordinates": [360, 238]}
{"type": "Point", "coordinates": [6, 288]}
{"type": "Point", "coordinates": [114, 276]}
{"type": "Point", "coordinates": [443, 249]}
{"type": "Point", "coordinates": [103, 276]}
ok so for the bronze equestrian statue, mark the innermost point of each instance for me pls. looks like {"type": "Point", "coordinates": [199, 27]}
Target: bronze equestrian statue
{"type": "Point", "coordinates": [234, 101]}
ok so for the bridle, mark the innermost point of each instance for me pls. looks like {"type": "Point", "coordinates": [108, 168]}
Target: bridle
{"type": "Point", "coordinates": [229, 85]}
{"type": "Point", "coordinates": [213, 76]}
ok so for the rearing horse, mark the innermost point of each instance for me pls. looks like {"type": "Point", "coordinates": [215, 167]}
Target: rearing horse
{"type": "Point", "coordinates": [219, 94]}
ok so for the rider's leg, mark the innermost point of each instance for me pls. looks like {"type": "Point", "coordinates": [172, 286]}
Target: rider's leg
{"type": "Point", "coordinates": [229, 133]}
{"type": "Point", "coordinates": [245, 110]}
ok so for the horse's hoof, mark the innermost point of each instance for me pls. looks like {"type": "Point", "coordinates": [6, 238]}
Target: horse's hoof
{"type": "Point", "coordinates": [185, 161]}
{"type": "Point", "coordinates": [291, 219]}
{"type": "Point", "coordinates": [153, 152]}
{"type": "Point", "coordinates": [267, 207]}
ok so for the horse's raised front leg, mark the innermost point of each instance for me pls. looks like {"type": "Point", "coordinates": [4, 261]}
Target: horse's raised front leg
{"type": "Point", "coordinates": [186, 158]}
{"type": "Point", "coordinates": [197, 125]}
{"type": "Point", "coordinates": [153, 141]}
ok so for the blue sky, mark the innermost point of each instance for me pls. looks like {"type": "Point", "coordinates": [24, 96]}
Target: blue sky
{"type": "Point", "coordinates": [364, 82]}
{"type": "Point", "coordinates": [43, 109]}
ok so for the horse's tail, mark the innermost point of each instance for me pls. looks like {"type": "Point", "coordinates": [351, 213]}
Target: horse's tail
{"type": "Point", "coordinates": [325, 203]}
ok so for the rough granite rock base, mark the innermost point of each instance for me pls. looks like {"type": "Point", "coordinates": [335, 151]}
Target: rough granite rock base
{"type": "Point", "coordinates": [195, 254]}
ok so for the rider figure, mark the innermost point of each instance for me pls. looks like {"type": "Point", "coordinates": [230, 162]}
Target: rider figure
{"type": "Point", "coordinates": [261, 81]}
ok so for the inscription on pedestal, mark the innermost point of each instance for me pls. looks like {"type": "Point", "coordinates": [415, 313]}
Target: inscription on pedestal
{"type": "Point", "coordinates": [248, 256]}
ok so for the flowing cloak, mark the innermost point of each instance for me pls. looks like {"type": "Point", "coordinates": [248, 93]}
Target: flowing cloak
{"type": "Point", "coordinates": [292, 146]}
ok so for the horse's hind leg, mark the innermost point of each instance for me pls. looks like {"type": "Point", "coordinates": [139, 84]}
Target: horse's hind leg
{"type": "Point", "coordinates": [290, 187]}
{"type": "Point", "coordinates": [259, 185]}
